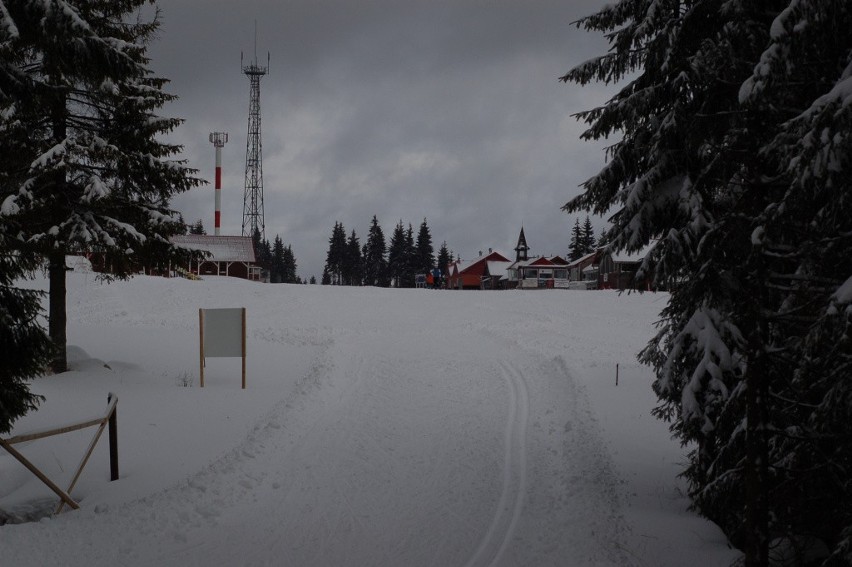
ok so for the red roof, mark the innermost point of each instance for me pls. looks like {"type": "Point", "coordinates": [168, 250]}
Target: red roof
{"type": "Point", "coordinates": [479, 265]}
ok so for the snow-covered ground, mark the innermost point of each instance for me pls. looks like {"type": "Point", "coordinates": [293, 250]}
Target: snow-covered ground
{"type": "Point", "coordinates": [379, 427]}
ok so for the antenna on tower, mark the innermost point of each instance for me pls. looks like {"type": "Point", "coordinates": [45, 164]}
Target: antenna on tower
{"type": "Point", "coordinates": [253, 222]}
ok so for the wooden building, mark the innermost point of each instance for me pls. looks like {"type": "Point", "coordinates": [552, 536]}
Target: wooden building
{"type": "Point", "coordinates": [618, 271]}
{"type": "Point", "coordinates": [583, 272]}
{"type": "Point", "coordinates": [225, 255]}
{"type": "Point", "coordinates": [541, 273]}
{"type": "Point", "coordinates": [470, 275]}
{"type": "Point", "coordinates": [535, 273]}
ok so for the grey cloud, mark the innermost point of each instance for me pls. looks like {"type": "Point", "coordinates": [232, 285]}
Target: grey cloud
{"type": "Point", "coordinates": [449, 110]}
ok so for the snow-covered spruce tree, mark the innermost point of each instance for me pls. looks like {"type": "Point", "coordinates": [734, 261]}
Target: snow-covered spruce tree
{"type": "Point", "coordinates": [276, 271]}
{"type": "Point", "coordinates": [588, 237]}
{"type": "Point", "coordinates": [373, 253]}
{"type": "Point", "coordinates": [290, 267]}
{"type": "Point", "coordinates": [410, 261]}
{"type": "Point", "coordinates": [336, 255]}
{"type": "Point", "coordinates": [804, 78]}
{"type": "Point", "coordinates": [353, 263]}
{"type": "Point", "coordinates": [397, 256]}
{"type": "Point", "coordinates": [575, 247]}
{"type": "Point", "coordinates": [736, 155]}
{"type": "Point", "coordinates": [25, 346]}
{"type": "Point", "coordinates": [424, 252]}
{"type": "Point", "coordinates": [85, 168]}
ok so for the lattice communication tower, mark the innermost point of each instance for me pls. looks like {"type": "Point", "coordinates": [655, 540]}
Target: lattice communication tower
{"type": "Point", "coordinates": [253, 195]}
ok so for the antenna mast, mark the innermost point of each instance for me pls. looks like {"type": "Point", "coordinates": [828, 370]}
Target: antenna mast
{"type": "Point", "coordinates": [253, 222]}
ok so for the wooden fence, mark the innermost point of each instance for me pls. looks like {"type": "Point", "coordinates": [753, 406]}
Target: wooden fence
{"type": "Point", "coordinates": [108, 420]}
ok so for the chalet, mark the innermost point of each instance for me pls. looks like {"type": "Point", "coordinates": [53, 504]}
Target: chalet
{"type": "Point", "coordinates": [226, 255]}
{"type": "Point", "coordinates": [583, 272]}
{"type": "Point", "coordinates": [535, 273]}
{"type": "Point", "coordinates": [471, 275]}
{"type": "Point", "coordinates": [618, 270]}
{"type": "Point", "coordinates": [542, 272]}
{"type": "Point", "coordinates": [496, 274]}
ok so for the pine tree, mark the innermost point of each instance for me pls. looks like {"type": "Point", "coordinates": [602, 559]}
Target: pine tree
{"type": "Point", "coordinates": [575, 248]}
{"type": "Point", "coordinates": [84, 165]}
{"type": "Point", "coordinates": [288, 266]}
{"type": "Point", "coordinates": [262, 253]}
{"type": "Point", "coordinates": [353, 271]}
{"type": "Point", "coordinates": [588, 237]}
{"type": "Point", "coordinates": [409, 270]}
{"type": "Point", "coordinates": [197, 227]}
{"type": "Point", "coordinates": [25, 346]}
{"type": "Point", "coordinates": [375, 263]}
{"type": "Point", "coordinates": [444, 259]}
{"type": "Point", "coordinates": [397, 257]}
{"type": "Point", "coordinates": [336, 257]}
{"type": "Point", "coordinates": [424, 252]}
{"type": "Point", "coordinates": [735, 157]}
{"type": "Point", "coordinates": [276, 268]}
{"type": "Point", "coordinates": [603, 239]}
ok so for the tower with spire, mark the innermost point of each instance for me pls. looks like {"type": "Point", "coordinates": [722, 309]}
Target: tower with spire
{"type": "Point", "coordinates": [521, 249]}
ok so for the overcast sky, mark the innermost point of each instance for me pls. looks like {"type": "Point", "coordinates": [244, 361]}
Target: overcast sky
{"type": "Point", "coordinates": [449, 110]}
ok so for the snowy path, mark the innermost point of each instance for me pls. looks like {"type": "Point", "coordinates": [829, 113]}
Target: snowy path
{"type": "Point", "coordinates": [365, 438]}
{"type": "Point", "coordinates": [378, 459]}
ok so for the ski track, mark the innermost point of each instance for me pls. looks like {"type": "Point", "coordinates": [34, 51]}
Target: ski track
{"type": "Point", "coordinates": [511, 502]}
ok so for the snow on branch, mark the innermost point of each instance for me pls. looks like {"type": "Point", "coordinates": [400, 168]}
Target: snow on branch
{"type": "Point", "coordinates": [128, 229]}
{"type": "Point", "coordinates": [8, 29]}
{"type": "Point", "coordinates": [10, 206]}
{"type": "Point", "coordinates": [52, 156]}
{"type": "Point", "coordinates": [843, 296]}
{"type": "Point", "coordinates": [95, 189]}
{"type": "Point", "coordinates": [702, 338]}
{"type": "Point", "coordinates": [840, 93]}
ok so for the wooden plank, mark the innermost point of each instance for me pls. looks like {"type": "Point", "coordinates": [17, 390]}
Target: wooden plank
{"type": "Point", "coordinates": [56, 431]}
{"type": "Point", "coordinates": [33, 469]}
{"type": "Point", "coordinates": [84, 460]}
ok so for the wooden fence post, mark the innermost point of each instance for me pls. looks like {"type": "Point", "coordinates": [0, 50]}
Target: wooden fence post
{"type": "Point", "coordinates": [113, 442]}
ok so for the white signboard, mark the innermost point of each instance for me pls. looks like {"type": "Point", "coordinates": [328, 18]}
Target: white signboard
{"type": "Point", "coordinates": [222, 334]}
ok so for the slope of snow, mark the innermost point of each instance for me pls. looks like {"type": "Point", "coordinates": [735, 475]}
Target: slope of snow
{"type": "Point", "coordinates": [379, 427]}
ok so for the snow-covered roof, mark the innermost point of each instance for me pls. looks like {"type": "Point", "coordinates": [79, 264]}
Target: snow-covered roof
{"type": "Point", "coordinates": [583, 259]}
{"type": "Point", "coordinates": [492, 256]}
{"type": "Point", "coordinates": [540, 262]}
{"type": "Point", "coordinates": [497, 267]}
{"type": "Point", "coordinates": [221, 248]}
{"type": "Point", "coordinates": [638, 256]}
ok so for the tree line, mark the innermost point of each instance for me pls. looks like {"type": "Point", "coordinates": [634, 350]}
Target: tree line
{"type": "Point", "coordinates": [380, 263]}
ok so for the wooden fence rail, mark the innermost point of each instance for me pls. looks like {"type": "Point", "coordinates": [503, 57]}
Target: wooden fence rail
{"type": "Point", "coordinates": [108, 420]}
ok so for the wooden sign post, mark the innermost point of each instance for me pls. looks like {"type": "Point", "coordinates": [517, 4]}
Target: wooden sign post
{"type": "Point", "coordinates": [223, 334]}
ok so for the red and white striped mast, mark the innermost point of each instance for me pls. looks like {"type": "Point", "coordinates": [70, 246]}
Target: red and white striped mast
{"type": "Point", "coordinates": [218, 139]}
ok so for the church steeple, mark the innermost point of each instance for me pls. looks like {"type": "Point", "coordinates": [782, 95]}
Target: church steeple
{"type": "Point", "coordinates": [521, 249]}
